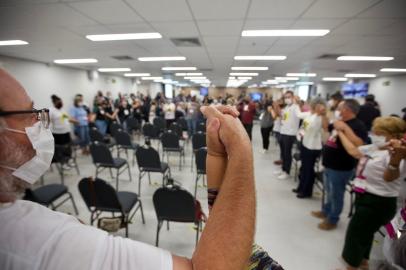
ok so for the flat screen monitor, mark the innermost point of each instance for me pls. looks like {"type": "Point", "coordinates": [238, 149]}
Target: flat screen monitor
{"type": "Point", "coordinates": [204, 91]}
{"type": "Point", "coordinates": [256, 96]}
{"type": "Point", "coordinates": [355, 90]}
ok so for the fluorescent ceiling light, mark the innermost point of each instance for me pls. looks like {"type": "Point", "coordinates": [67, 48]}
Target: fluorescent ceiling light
{"type": "Point", "coordinates": [151, 78]}
{"type": "Point", "coordinates": [137, 74]}
{"type": "Point", "coordinates": [271, 82]}
{"type": "Point", "coordinates": [244, 78]}
{"type": "Point", "coordinates": [249, 68]}
{"type": "Point", "coordinates": [365, 58]}
{"type": "Point", "coordinates": [260, 57]}
{"type": "Point", "coordinates": [393, 70]}
{"type": "Point", "coordinates": [163, 58]}
{"type": "Point", "coordinates": [189, 74]}
{"type": "Point", "coordinates": [304, 83]}
{"type": "Point", "coordinates": [231, 78]}
{"type": "Point", "coordinates": [360, 75]}
{"type": "Point", "coordinates": [243, 74]}
{"type": "Point", "coordinates": [195, 78]}
{"type": "Point", "coordinates": [335, 79]}
{"type": "Point", "coordinates": [128, 36]}
{"type": "Point", "coordinates": [301, 74]}
{"type": "Point", "coordinates": [286, 33]}
{"type": "Point", "coordinates": [114, 69]}
{"type": "Point", "coordinates": [179, 68]}
{"type": "Point", "coordinates": [75, 61]}
{"type": "Point", "coordinates": [287, 78]}
{"type": "Point", "coordinates": [12, 42]}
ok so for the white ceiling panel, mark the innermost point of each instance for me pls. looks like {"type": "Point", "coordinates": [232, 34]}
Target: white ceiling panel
{"type": "Point", "coordinates": [176, 29]}
{"type": "Point", "coordinates": [364, 26]}
{"type": "Point", "coordinates": [221, 44]}
{"type": "Point", "coordinates": [267, 24]}
{"type": "Point", "coordinates": [159, 11]}
{"type": "Point", "coordinates": [89, 29]}
{"type": "Point", "coordinates": [338, 9]}
{"type": "Point", "coordinates": [263, 9]}
{"type": "Point", "coordinates": [317, 23]}
{"type": "Point", "coordinates": [387, 9]}
{"type": "Point", "coordinates": [215, 9]}
{"type": "Point", "coordinates": [220, 28]}
{"type": "Point", "coordinates": [131, 28]}
{"type": "Point", "coordinates": [11, 3]}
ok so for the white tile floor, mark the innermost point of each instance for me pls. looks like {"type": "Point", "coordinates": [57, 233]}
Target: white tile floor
{"type": "Point", "coordinates": [284, 225]}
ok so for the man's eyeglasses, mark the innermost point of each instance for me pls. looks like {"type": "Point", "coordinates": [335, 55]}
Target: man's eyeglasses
{"type": "Point", "coordinates": [42, 115]}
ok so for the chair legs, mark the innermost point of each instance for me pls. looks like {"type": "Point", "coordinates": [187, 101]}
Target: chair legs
{"type": "Point", "coordinates": [117, 175]}
{"type": "Point", "coordinates": [197, 232]}
{"type": "Point", "coordinates": [197, 179]}
{"type": "Point", "coordinates": [157, 232]}
{"type": "Point", "coordinates": [73, 203]}
{"type": "Point", "coordinates": [129, 172]}
{"type": "Point", "coordinates": [142, 212]}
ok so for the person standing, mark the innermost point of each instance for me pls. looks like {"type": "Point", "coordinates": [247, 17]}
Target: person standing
{"type": "Point", "coordinates": [104, 114]}
{"type": "Point", "coordinates": [169, 112]}
{"type": "Point", "coordinates": [192, 113]}
{"type": "Point", "coordinates": [267, 122]}
{"type": "Point", "coordinates": [368, 112]}
{"type": "Point", "coordinates": [123, 112]}
{"type": "Point", "coordinates": [80, 116]}
{"type": "Point", "coordinates": [60, 122]}
{"type": "Point", "coordinates": [313, 126]}
{"type": "Point", "coordinates": [289, 128]}
{"type": "Point", "coordinates": [247, 112]}
{"type": "Point", "coordinates": [338, 164]}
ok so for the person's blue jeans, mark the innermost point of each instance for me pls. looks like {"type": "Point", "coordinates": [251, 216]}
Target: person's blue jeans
{"type": "Point", "coordinates": [334, 187]}
{"type": "Point", "coordinates": [191, 125]}
{"type": "Point", "coordinates": [83, 133]}
{"type": "Point", "coordinates": [101, 126]}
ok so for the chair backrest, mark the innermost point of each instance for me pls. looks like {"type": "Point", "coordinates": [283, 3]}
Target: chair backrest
{"type": "Point", "coordinates": [160, 123]}
{"type": "Point", "coordinates": [114, 127]}
{"type": "Point", "coordinates": [182, 122]}
{"type": "Point", "coordinates": [175, 127]}
{"type": "Point", "coordinates": [133, 124]}
{"type": "Point", "coordinates": [198, 140]}
{"type": "Point", "coordinates": [30, 196]}
{"type": "Point", "coordinates": [122, 138]}
{"type": "Point", "coordinates": [101, 153]}
{"type": "Point", "coordinates": [150, 130]}
{"type": "Point", "coordinates": [170, 139]}
{"type": "Point", "coordinates": [147, 157]}
{"type": "Point", "coordinates": [174, 204]}
{"type": "Point", "coordinates": [201, 155]}
{"type": "Point", "coordinates": [201, 127]}
{"type": "Point", "coordinates": [99, 194]}
{"type": "Point", "coordinates": [95, 135]}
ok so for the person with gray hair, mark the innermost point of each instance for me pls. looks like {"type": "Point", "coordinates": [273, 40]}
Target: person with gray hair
{"type": "Point", "coordinates": [338, 164]}
{"type": "Point", "coordinates": [313, 126]}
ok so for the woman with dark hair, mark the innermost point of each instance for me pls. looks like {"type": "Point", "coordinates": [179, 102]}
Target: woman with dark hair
{"type": "Point", "coordinates": [81, 121]}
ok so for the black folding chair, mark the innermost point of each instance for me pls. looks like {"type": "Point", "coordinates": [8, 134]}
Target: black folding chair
{"type": "Point", "coordinates": [198, 141]}
{"type": "Point", "coordinates": [160, 123]}
{"type": "Point", "coordinates": [47, 195]}
{"type": "Point", "coordinates": [170, 143]}
{"type": "Point", "coordinates": [175, 127]}
{"type": "Point", "coordinates": [149, 162]}
{"type": "Point", "coordinates": [99, 197]}
{"type": "Point", "coordinates": [183, 123]}
{"type": "Point", "coordinates": [151, 132]}
{"type": "Point", "coordinates": [114, 127]}
{"type": "Point", "coordinates": [132, 124]}
{"type": "Point", "coordinates": [201, 155]}
{"type": "Point", "coordinates": [201, 127]}
{"type": "Point", "coordinates": [102, 159]}
{"type": "Point", "coordinates": [124, 142]}
{"type": "Point", "coordinates": [96, 136]}
{"type": "Point", "coordinates": [177, 205]}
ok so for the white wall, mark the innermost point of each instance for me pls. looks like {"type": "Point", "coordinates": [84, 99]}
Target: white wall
{"type": "Point", "coordinates": [41, 81]}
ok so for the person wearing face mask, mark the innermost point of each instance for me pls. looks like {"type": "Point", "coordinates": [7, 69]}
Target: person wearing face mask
{"type": "Point", "coordinates": [247, 112]}
{"type": "Point", "coordinates": [104, 115]}
{"type": "Point", "coordinates": [80, 116]}
{"type": "Point", "coordinates": [123, 112]}
{"type": "Point", "coordinates": [380, 170]}
{"type": "Point", "coordinates": [368, 112]}
{"type": "Point", "coordinates": [289, 128]}
{"type": "Point", "coordinates": [338, 164]}
{"type": "Point", "coordinates": [60, 122]}
{"type": "Point", "coordinates": [332, 104]}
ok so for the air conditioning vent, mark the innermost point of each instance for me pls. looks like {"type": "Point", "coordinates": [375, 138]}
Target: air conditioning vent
{"type": "Point", "coordinates": [186, 42]}
{"type": "Point", "coordinates": [123, 58]}
{"type": "Point", "coordinates": [329, 56]}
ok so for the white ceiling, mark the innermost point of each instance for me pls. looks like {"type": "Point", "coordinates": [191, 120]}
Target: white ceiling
{"type": "Point", "coordinates": [56, 29]}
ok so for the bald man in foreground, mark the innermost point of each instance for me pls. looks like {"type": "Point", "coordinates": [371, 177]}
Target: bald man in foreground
{"type": "Point", "coordinates": [35, 237]}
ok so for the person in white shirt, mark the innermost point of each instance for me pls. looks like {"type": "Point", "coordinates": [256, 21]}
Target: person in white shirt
{"type": "Point", "coordinates": [289, 127]}
{"type": "Point", "coordinates": [169, 112]}
{"type": "Point", "coordinates": [313, 126]}
{"type": "Point", "coordinates": [35, 237]}
{"type": "Point", "coordinates": [381, 168]}
{"type": "Point", "coordinates": [60, 122]}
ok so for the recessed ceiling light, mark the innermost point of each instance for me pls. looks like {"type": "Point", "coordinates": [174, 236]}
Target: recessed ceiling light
{"type": "Point", "coordinates": [243, 74]}
{"type": "Point", "coordinates": [151, 78]}
{"type": "Point", "coordinates": [365, 58]}
{"type": "Point", "coordinates": [301, 74]}
{"type": "Point", "coordinates": [128, 36]}
{"type": "Point", "coordinates": [393, 70]}
{"type": "Point", "coordinates": [163, 58]}
{"type": "Point", "coordinates": [287, 78]}
{"type": "Point", "coordinates": [360, 75]}
{"type": "Point", "coordinates": [260, 57]}
{"type": "Point", "coordinates": [114, 69]}
{"type": "Point", "coordinates": [286, 33]}
{"type": "Point", "coordinates": [75, 61]}
{"type": "Point", "coordinates": [335, 79]}
{"type": "Point", "coordinates": [137, 74]}
{"type": "Point", "coordinates": [189, 74]}
{"type": "Point", "coordinates": [12, 42]}
{"type": "Point", "coordinates": [195, 78]}
{"type": "Point", "coordinates": [179, 68]}
{"type": "Point", "coordinates": [249, 68]}
{"type": "Point", "coordinates": [244, 78]}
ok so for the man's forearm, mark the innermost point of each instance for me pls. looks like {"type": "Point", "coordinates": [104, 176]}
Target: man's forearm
{"type": "Point", "coordinates": [228, 236]}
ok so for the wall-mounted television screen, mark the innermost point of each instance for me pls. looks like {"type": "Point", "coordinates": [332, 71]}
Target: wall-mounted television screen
{"type": "Point", "coordinates": [204, 91]}
{"type": "Point", "coordinates": [256, 96]}
{"type": "Point", "coordinates": [354, 90]}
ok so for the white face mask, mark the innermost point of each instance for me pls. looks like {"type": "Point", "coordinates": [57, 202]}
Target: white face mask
{"type": "Point", "coordinates": [378, 141]}
{"type": "Point", "coordinates": [288, 101]}
{"type": "Point", "coordinates": [330, 103]}
{"type": "Point", "coordinates": [337, 115]}
{"type": "Point", "coordinates": [42, 141]}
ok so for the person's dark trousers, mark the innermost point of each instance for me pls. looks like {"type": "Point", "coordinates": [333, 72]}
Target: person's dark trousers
{"type": "Point", "coordinates": [287, 142]}
{"type": "Point", "coordinates": [307, 175]}
{"type": "Point", "coordinates": [371, 212]}
{"type": "Point", "coordinates": [265, 132]}
{"type": "Point", "coordinates": [278, 141]}
{"type": "Point", "coordinates": [248, 128]}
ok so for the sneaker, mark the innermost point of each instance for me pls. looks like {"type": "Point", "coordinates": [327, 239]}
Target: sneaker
{"type": "Point", "coordinates": [278, 172]}
{"type": "Point", "coordinates": [277, 162]}
{"type": "Point", "coordinates": [327, 226]}
{"type": "Point", "coordinates": [283, 176]}
{"type": "Point", "coordinates": [318, 214]}
{"type": "Point", "coordinates": [302, 196]}
{"type": "Point", "coordinates": [295, 190]}
{"type": "Point", "coordinates": [263, 151]}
